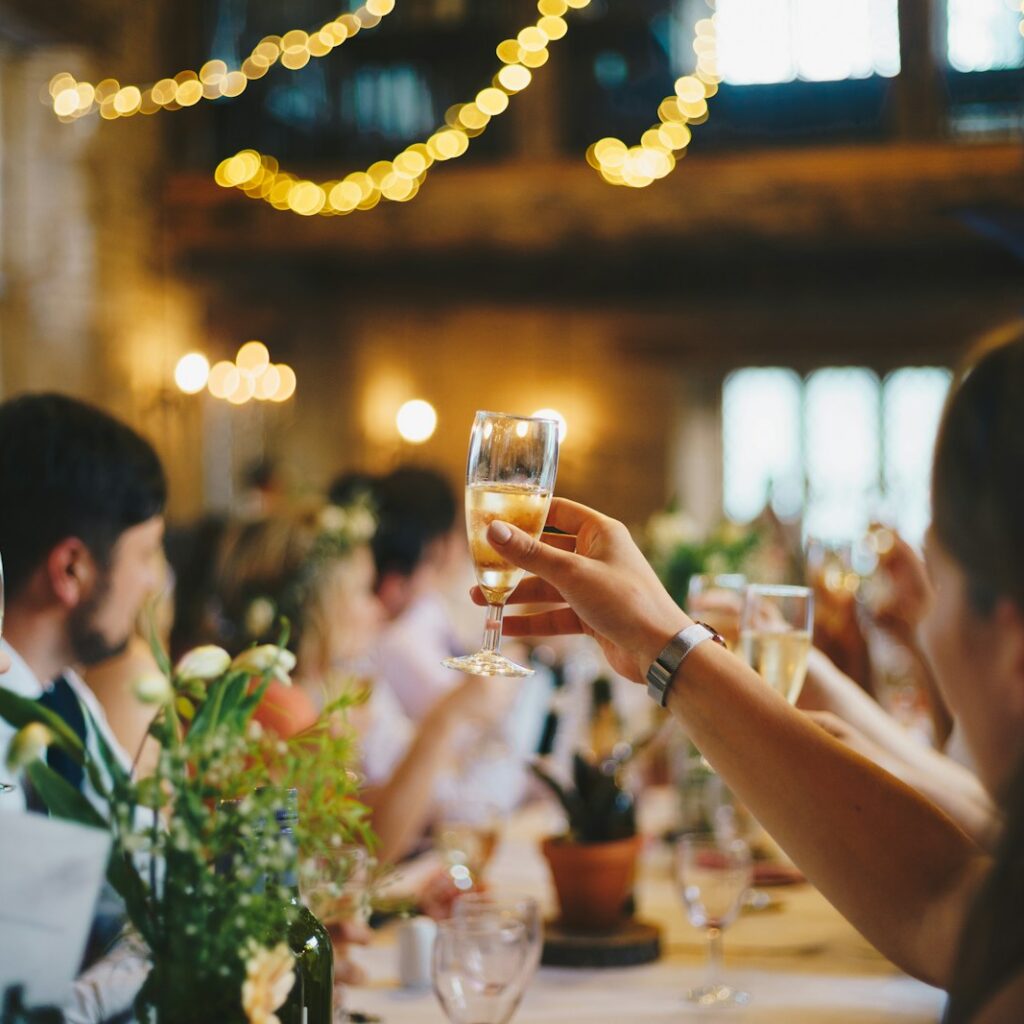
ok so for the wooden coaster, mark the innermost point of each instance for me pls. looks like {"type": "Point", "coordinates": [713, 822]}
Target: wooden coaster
{"type": "Point", "coordinates": [632, 944]}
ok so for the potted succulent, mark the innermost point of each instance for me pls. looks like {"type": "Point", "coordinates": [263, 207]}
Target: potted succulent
{"type": "Point", "coordinates": [594, 863]}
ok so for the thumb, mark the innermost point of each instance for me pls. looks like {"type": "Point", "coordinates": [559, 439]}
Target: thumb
{"type": "Point", "coordinates": [522, 550]}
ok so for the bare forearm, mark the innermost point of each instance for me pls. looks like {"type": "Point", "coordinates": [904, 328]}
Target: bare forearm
{"type": "Point", "coordinates": [894, 865]}
{"type": "Point", "coordinates": [401, 807]}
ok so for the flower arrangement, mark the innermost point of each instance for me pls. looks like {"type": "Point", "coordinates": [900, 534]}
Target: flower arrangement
{"type": "Point", "coordinates": [678, 550]}
{"type": "Point", "coordinates": [196, 857]}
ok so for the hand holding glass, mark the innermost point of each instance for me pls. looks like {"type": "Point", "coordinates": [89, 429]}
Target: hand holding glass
{"type": "Point", "coordinates": [510, 475]}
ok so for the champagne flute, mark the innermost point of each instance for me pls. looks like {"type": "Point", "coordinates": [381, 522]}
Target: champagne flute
{"type": "Point", "coordinates": [713, 877]}
{"type": "Point", "coordinates": [510, 475]}
{"type": "Point", "coordinates": [775, 634]}
{"type": "Point", "coordinates": [466, 835]}
{"type": "Point", "coordinates": [717, 599]}
{"type": "Point", "coordinates": [478, 969]}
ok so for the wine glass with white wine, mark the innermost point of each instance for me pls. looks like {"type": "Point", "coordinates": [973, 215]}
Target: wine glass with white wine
{"type": "Point", "coordinates": [775, 635]}
{"type": "Point", "coordinates": [510, 475]}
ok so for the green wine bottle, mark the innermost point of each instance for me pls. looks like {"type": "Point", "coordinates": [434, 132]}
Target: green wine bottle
{"type": "Point", "coordinates": [311, 1000]}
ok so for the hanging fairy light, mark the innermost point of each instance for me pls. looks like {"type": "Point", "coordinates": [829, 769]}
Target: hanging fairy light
{"type": "Point", "coordinates": [662, 146]}
{"type": "Point", "coordinates": [260, 176]}
{"type": "Point", "coordinates": [73, 99]}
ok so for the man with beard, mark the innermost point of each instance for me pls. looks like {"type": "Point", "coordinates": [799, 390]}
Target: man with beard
{"type": "Point", "coordinates": [81, 528]}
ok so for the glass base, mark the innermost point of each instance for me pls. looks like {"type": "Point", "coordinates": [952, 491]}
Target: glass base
{"type": "Point", "coordinates": [487, 663]}
{"type": "Point", "coordinates": [717, 995]}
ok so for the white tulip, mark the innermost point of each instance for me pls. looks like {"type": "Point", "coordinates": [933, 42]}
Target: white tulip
{"type": "Point", "coordinates": [153, 688]}
{"type": "Point", "coordinates": [278, 661]}
{"type": "Point", "coordinates": [203, 664]}
{"type": "Point", "coordinates": [28, 745]}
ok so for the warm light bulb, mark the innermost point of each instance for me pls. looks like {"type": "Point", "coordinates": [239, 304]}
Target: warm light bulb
{"type": "Point", "coordinates": [416, 421]}
{"type": "Point", "coordinates": [191, 373]}
{"type": "Point", "coordinates": [245, 389]}
{"type": "Point", "coordinates": [554, 414]}
{"type": "Point", "coordinates": [223, 379]}
{"type": "Point", "coordinates": [253, 358]}
{"type": "Point", "coordinates": [267, 383]}
{"type": "Point", "coordinates": [286, 383]}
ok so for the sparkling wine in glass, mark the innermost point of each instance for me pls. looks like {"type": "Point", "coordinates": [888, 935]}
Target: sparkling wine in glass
{"type": "Point", "coordinates": [775, 635]}
{"type": "Point", "coordinates": [478, 969]}
{"type": "Point", "coordinates": [466, 835]}
{"type": "Point", "coordinates": [713, 877]}
{"type": "Point", "coordinates": [510, 475]}
{"type": "Point", "coordinates": [717, 599]}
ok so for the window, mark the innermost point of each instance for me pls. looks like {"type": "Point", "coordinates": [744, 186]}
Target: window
{"type": "Point", "coordinates": [984, 35]}
{"type": "Point", "coordinates": [768, 41]}
{"type": "Point", "coordinates": [841, 446]}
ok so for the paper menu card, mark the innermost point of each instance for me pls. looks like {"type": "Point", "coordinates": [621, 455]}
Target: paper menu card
{"type": "Point", "coordinates": [50, 876]}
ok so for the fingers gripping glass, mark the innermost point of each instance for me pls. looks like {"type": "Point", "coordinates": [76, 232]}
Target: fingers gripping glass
{"type": "Point", "coordinates": [510, 475]}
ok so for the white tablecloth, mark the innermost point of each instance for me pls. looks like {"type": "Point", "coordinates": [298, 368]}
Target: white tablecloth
{"type": "Point", "coordinates": [799, 960]}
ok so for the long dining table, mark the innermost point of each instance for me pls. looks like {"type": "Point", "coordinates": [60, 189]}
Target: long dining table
{"type": "Point", "coordinates": [796, 956]}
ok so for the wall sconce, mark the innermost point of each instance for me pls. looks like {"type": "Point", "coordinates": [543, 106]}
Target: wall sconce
{"type": "Point", "coordinates": [252, 376]}
{"type": "Point", "coordinates": [416, 421]}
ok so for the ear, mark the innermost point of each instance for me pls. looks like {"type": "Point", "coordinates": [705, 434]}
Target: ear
{"type": "Point", "coordinates": [1008, 619]}
{"type": "Point", "coordinates": [71, 571]}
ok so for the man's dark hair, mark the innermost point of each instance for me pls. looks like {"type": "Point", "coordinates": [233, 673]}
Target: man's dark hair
{"type": "Point", "coordinates": [414, 507]}
{"type": "Point", "coordinates": [68, 469]}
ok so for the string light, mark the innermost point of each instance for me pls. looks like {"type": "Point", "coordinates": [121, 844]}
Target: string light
{"type": "Point", "coordinates": [259, 175]}
{"type": "Point", "coordinates": [663, 145]}
{"type": "Point", "coordinates": [293, 50]}
{"type": "Point", "coordinates": [251, 376]}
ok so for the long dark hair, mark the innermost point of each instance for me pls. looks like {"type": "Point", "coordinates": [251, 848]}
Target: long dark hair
{"type": "Point", "coordinates": [978, 517]}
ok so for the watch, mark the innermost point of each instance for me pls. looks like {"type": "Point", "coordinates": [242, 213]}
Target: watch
{"type": "Point", "coordinates": [675, 652]}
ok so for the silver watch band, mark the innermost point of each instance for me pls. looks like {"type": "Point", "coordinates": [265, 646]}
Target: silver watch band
{"type": "Point", "coordinates": [675, 652]}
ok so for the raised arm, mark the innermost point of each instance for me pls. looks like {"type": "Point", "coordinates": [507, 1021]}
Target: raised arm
{"type": "Point", "coordinates": [894, 865]}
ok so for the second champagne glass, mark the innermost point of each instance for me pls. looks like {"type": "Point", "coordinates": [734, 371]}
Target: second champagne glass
{"type": "Point", "coordinates": [510, 475]}
{"type": "Point", "coordinates": [775, 633]}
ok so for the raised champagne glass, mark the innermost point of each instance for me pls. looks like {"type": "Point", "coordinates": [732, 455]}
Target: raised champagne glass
{"type": "Point", "coordinates": [510, 475]}
{"type": "Point", "coordinates": [775, 635]}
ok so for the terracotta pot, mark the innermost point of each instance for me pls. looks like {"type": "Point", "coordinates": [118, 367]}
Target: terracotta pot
{"type": "Point", "coordinates": [593, 880]}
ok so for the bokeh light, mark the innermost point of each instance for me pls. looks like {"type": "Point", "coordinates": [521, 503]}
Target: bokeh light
{"type": "Point", "coordinates": [553, 414]}
{"type": "Point", "coordinates": [416, 421]}
{"type": "Point", "coordinates": [192, 373]}
{"type": "Point", "coordinates": [253, 358]}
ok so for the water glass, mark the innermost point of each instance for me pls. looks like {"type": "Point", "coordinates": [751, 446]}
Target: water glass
{"type": "Point", "coordinates": [479, 969]}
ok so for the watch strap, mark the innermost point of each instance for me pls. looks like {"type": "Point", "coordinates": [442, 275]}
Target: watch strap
{"type": "Point", "coordinates": [674, 653]}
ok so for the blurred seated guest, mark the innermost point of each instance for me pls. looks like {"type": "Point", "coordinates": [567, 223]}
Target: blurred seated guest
{"type": "Point", "coordinates": [419, 545]}
{"type": "Point", "coordinates": [113, 681]}
{"type": "Point", "coordinates": [81, 526]}
{"type": "Point", "coordinates": [909, 878]}
{"type": "Point", "coordinates": [262, 491]}
{"type": "Point", "coordinates": [192, 553]}
{"type": "Point", "coordinates": [315, 568]}
{"type": "Point", "coordinates": [845, 711]}
{"type": "Point", "coordinates": [842, 707]}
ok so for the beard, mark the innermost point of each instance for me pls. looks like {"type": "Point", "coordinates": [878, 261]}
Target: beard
{"type": "Point", "coordinates": [89, 644]}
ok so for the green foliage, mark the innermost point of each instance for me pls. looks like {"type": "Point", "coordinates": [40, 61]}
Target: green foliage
{"type": "Point", "coordinates": [598, 808]}
{"type": "Point", "coordinates": [196, 854]}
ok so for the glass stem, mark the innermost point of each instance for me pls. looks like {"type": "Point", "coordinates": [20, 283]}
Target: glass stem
{"type": "Point", "coordinates": [714, 957]}
{"type": "Point", "coordinates": [492, 627]}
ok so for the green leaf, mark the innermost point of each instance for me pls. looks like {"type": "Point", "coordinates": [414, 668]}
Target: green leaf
{"type": "Point", "coordinates": [159, 654]}
{"type": "Point", "coordinates": [62, 799]}
{"type": "Point", "coordinates": [20, 711]}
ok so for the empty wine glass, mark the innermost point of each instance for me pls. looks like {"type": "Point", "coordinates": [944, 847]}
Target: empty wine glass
{"type": "Point", "coordinates": [713, 876]}
{"type": "Point", "coordinates": [337, 886]}
{"type": "Point", "coordinates": [478, 969]}
{"type": "Point", "coordinates": [514, 907]}
{"type": "Point", "coordinates": [510, 475]}
{"type": "Point", "coordinates": [775, 635]}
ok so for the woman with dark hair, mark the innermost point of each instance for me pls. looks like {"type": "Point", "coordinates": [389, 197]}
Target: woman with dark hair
{"type": "Point", "coordinates": [896, 866]}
